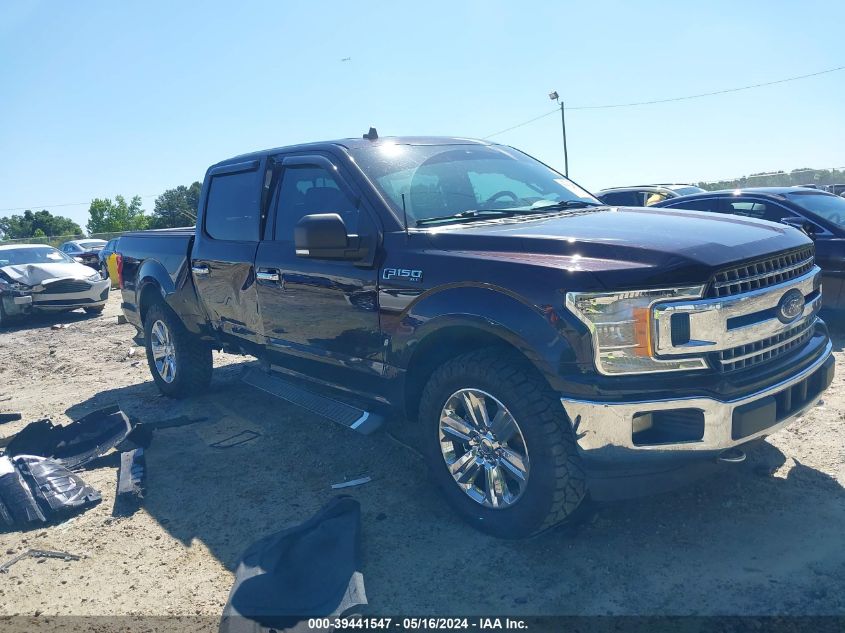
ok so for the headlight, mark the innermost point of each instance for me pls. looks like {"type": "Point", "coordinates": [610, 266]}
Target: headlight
{"type": "Point", "coordinates": [96, 277]}
{"type": "Point", "coordinates": [5, 284]}
{"type": "Point", "coordinates": [622, 328]}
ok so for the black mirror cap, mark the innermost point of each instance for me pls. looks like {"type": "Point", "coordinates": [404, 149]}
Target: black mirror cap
{"type": "Point", "coordinates": [324, 236]}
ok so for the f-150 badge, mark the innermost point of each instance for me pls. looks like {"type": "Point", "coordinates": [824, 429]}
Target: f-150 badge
{"type": "Point", "coordinates": [402, 274]}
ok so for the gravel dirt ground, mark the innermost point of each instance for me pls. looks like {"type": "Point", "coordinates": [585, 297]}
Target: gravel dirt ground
{"type": "Point", "coordinates": [763, 537]}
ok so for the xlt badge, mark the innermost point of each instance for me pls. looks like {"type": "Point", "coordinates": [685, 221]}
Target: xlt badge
{"type": "Point", "coordinates": [402, 273]}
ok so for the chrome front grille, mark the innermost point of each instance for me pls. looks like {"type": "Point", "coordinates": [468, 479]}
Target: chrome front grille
{"type": "Point", "coordinates": [744, 356]}
{"type": "Point", "coordinates": [771, 271]}
{"type": "Point", "coordinates": [741, 330]}
{"type": "Point", "coordinates": [65, 286]}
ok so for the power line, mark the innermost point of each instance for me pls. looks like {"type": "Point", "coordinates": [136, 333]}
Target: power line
{"type": "Point", "coordinates": [64, 204]}
{"type": "Point", "coordinates": [669, 100]}
{"type": "Point", "coordinates": [543, 116]}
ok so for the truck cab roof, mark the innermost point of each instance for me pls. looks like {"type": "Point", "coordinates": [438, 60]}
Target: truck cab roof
{"type": "Point", "coordinates": [356, 143]}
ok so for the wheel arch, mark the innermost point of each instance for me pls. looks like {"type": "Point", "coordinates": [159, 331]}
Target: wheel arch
{"type": "Point", "coordinates": [456, 336]}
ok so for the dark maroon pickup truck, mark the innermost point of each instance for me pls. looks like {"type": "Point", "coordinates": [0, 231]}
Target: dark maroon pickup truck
{"type": "Point", "coordinates": [546, 344]}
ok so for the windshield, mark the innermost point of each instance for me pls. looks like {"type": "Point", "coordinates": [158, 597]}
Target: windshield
{"type": "Point", "coordinates": [823, 205]}
{"type": "Point", "coordinates": [32, 255]}
{"type": "Point", "coordinates": [436, 181]}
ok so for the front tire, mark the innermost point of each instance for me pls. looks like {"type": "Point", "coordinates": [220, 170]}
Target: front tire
{"type": "Point", "coordinates": [180, 363]}
{"type": "Point", "coordinates": [499, 445]}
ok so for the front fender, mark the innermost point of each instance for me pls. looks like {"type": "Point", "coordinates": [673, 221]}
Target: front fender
{"type": "Point", "coordinates": [531, 329]}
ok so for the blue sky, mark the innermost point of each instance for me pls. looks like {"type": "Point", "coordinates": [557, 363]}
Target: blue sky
{"type": "Point", "coordinates": [106, 98]}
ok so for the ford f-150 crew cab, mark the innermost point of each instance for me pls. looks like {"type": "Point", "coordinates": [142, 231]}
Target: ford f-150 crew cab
{"type": "Point", "coordinates": [544, 343]}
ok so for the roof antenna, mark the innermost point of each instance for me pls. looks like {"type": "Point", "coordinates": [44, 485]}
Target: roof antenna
{"type": "Point", "coordinates": [372, 135]}
{"type": "Point", "coordinates": [405, 217]}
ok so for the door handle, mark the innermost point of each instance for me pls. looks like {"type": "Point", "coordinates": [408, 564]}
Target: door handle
{"type": "Point", "coordinates": [200, 269]}
{"type": "Point", "coordinates": [268, 275]}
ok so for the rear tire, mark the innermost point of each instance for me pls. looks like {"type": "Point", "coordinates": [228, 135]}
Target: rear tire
{"type": "Point", "coordinates": [180, 362]}
{"type": "Point", "coordinates": [548, 483]}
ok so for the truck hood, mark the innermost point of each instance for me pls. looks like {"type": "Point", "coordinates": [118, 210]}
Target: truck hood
{"type": "Point", "coordinates": [625, 247]}
{"type": "Point", "coordinates": [34, 274]}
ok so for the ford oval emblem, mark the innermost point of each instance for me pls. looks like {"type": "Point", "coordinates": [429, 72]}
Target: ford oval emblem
{"type": "Point", "coordinates": [790, 306]}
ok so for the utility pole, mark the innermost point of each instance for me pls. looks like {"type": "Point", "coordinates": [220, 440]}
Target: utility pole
{"type": "Point", "coordinates": [554, 97]}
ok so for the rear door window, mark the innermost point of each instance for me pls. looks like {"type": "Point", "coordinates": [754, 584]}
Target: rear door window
{"type": "Point", "coordinates": [232, 211]}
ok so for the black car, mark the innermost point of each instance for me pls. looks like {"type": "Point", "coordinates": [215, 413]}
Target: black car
{"type": "Point", "coordinates": [84, 251]}
{"type": "Point", "coordinates": [819, 214]}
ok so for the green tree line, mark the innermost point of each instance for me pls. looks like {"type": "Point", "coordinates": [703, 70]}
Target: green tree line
{"type": "Point", "coordinates": [178, 207]}
{"type": "Point", "coordinates": [175, 207]}
{"type": "Point", "coordinates": [805, 176]}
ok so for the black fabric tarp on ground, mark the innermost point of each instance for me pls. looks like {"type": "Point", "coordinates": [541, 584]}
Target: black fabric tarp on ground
{"type": "Point", "coordinates": [310, 570]}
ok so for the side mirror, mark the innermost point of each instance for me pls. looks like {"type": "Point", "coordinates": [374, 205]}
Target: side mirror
{"type": "Point", "coordinates": [78, 260]}
{"type": "Point", "coordinates": [801, 224]}
{"type": "Point", "coordinates": [324, 236]}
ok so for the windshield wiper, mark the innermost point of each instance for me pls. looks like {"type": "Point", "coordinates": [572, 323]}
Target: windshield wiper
{"type": "Point", "coordinates": [507, 213]}
{"type": "Point", "coordinates": [469, 215]}
{"type": "Point", "coordinates": [567, 204]}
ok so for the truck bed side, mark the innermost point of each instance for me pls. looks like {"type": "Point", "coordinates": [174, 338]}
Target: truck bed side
{"type": "Point", "coordinates": [156, 267]}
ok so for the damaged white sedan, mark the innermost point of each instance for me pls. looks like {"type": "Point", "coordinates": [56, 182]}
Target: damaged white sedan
{"type": "Point", "coordinates": [39, 278]}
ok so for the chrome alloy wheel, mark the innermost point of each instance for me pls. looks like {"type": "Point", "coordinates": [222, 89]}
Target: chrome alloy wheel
{"type": "Point", "coordinates": [164, 352]}
{"type": "Point", "coordinates": [483, 448]}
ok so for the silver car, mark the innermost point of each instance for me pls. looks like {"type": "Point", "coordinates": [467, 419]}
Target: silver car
{"type": "Point", "coordinates": [39, 278]}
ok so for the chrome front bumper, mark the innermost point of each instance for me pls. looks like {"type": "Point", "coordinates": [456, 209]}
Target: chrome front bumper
{"type": "Point", "coordinates": [605, 430]}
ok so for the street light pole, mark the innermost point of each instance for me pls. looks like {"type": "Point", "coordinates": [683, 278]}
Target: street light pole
{"type": "Point", "coordinates": [554, 97]}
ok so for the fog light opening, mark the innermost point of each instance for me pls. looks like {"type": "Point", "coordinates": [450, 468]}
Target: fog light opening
{"type": "Point", "coordinates": [651, 428]}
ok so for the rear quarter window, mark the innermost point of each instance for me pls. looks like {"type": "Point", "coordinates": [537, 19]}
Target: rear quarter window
{"type": "Point", "coordinates": [232, 211]}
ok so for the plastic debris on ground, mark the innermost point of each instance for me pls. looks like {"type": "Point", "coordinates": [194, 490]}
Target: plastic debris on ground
{"type": "Point", "coordinates": [36, 490]}
{"type": "Point", "coordinates": [37, 553]}
{"type": "Point", "coordinates": [73, 445]}
{"type": "Point", "coordinates": [36, 485]}
{"type": "Point", "coordinates": [131, 482]}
